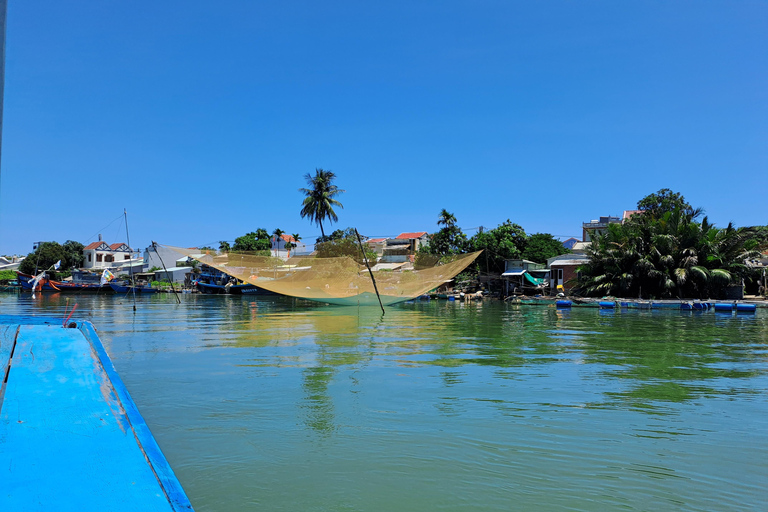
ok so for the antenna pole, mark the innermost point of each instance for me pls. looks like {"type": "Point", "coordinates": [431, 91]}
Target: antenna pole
{"type": "Point", "coordinates": [365, 259]}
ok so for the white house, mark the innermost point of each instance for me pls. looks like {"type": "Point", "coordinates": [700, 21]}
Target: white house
{"type": "Point", "coordinates": [99, 255]}
{"type": "Point", "coordinates": [279, 249]}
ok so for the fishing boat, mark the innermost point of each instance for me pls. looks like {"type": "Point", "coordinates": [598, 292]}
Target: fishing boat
{"type": "Point", "coordinates": [127, 288]}
{"type": "Point", "coordinates": [233, 289]}
{"type": "Point", "coordinates": [45, 284]}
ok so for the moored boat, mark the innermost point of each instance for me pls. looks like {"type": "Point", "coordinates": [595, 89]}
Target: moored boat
{"type": "Point", "coordinates": [25, 280]}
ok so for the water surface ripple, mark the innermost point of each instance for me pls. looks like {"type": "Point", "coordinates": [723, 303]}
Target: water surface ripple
{"type": "Point", "coordinates": [280, 404]}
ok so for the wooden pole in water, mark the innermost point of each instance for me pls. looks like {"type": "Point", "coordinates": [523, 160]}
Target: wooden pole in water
{"type": "Point", "coordinates": [130, 252]}
{"type": "Point", "coordinates": [154, 244]}
{"type": "Point", "coordinates": [365, 259]}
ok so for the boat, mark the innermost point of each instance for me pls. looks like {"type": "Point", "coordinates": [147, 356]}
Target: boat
{"type": "Point", "coordinates": [127, 288]}
{"type": "Point", "coordinates": [45, 284]}
{"type": "Point", "coordinates": [233, 289]}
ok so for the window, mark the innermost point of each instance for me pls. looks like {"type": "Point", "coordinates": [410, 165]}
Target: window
{"type": "Point", "coordinates": [99, 257]}
{"type": "Point", "coordinates": [127, 257]}
{"type": "Point", "coordinates": [89, 257]}
{"type": "Point", "coordinates": [108, 258]}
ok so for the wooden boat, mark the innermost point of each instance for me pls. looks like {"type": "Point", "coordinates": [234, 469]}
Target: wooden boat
{"type": "Point", "coordinates": [120, 288]}
{"type": "Point", "coordinates": [25, 280]}
{"type": "Point", "coordinates": [235, 289]}
{"type": "Point", "coordinates": [71, 437]}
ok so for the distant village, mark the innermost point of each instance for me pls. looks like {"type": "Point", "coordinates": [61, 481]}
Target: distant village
{"type": "Point", "coordinates": [157, 263]}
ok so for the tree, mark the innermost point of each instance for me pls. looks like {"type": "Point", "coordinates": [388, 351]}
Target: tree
{"type": "Point", "coordinates": [73, 255]}
{"type": "Point", "coordinates": [506, 241]}
{"type": "Point", "coordinates": [344, 243]}
{"type": "Point", "coordinates": [671, 255]}
{"type": "Point", "coordinates": [446, 219]}
{"type": "Point", "coordinates": [46, 255]}
{"type": "Point", "coordinates": [224, 246]}
{"type": "Point", "coordinates": [291, 245]}
{"type": "Point", "coordinates": [665, 200]}
{"type": "Point", "coordinates": [277, 234]}
{"type": "Point", "coordinates": [320, 198]}
{"type": "Point", "coordinates": [258, 240]}
{"type": "Point", "coordinates": [541, 246]}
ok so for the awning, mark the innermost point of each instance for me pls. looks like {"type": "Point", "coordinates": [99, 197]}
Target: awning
{"type": "Point", "coordinates": [516, 272]}
{"type": "Point", "coordinates": [535, 280]}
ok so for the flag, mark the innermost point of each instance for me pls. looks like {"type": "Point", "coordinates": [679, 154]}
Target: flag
{"type": "Point", "coordinates": [57, 265]}
{"type": "Point", "coordinates": [106, 277]}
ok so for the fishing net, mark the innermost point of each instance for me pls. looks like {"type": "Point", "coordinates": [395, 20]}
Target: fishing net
{"type": "Point", "coordinates": [337, 280]}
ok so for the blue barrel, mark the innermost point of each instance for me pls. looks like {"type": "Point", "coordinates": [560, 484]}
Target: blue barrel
{"type": "Point", "coordinates": [563, 303]}
{"type": "Point", "coordinates": [702, 306]}
{"type": "Point", "coordinates": [746, 308]}
{"type": "Point", "coordinates": [451, 297]}
{"type": "Point", "coordinates": [686, 306]}
{"type": "Point", "coordinates": [723, 307]}
{"type": "Point", "coordinates": [605, 304]}
{"type": "Point", "coordinates": [625, 305]}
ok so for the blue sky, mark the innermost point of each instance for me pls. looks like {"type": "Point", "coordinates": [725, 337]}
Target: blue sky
{"type": "Point", "coordinates": [201, 118]}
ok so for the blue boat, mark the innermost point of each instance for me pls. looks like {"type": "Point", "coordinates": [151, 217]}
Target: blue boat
{"type": "Point", "coordinates": [121, 288]}
{"type": "Point", "coordinates": [71, 437]}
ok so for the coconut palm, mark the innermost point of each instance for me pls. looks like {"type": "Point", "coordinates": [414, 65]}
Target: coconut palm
{"type": "Point", "coordinates": [320, 198]}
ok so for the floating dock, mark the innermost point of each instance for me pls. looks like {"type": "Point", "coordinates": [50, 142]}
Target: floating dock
{"type": "Point", "coordinates": [71, 437]}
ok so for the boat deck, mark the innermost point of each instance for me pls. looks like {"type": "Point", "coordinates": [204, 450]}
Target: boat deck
{"type": "Point", "coordinates": [71, 438]}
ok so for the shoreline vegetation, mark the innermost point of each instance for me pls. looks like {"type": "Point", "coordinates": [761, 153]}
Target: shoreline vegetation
{"type": "Point", "coordinates": [666, 250]}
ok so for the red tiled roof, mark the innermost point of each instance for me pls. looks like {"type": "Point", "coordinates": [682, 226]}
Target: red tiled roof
{"type": "Point", "coordinates": [288, 238]}
{"type": "Point", "coordinates": [116, 246]}
{"type": "Point", "coordinates": [375, 240]}
{"type": "Point", "coordinates": [408, 236]}
{"type": "Point", "coordinates": [91, 246]}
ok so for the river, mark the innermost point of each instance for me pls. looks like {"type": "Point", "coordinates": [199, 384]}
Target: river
{"type": "Point", "coordinates": [276, 404]}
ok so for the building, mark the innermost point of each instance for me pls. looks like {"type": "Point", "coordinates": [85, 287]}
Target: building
{"type": "Point", "coordinates": [597, 227]}
{"type": "Point", "coordinates": [524, 275]}
{"type": "Point", "coordinates": [403, 247]}
{"type": "Point", "coordinates": [563, 271]}
{"type": "Point", "coordinates": [568, 244]}
{"type": "Point", "coordinates": [99, 255]}
{"type": "Point", "coordinates": [158, 256]}
{"type": "Point", "coordinates": [279, 249]}
{"type": "Point", "coordinates": [377, 245]}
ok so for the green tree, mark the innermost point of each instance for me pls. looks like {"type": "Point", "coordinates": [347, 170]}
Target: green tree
{"type": "Point", "coordinates": [320, 200]}
{"type": "Point", "coordinates": [277, 234]}
{"type": "Point", "coordinates": [541, 246]}
{"type": "Point", "coordinates": [672, 255]}
{"type": "Point", "coordinates": [224, 246]}
{"type": "Point", "coordinates": [665, 200]}
{"type": "Point", "coordinates": [506, 241]}
{"type": "Point", "coordinates": [258, 240]}
{"type": "Point", "coordinates": [448, 240]}
{"type": "Point", "coordinates": [74, 257]}
{"type": "Point", "coordinates": [46, 255]}
{"type": "Point", "coordinates": [345, 243]}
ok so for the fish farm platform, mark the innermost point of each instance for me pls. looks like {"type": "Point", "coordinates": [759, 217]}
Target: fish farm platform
{"type": "Point", "coordinates": [71, 437]}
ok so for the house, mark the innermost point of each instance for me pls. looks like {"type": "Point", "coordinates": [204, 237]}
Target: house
{"type": "Point", "coordinates": [158, 256]}
{"type": "Point", "coordinates": [377, 245]}
{"type": "Point", "coordinates": [524, 275]}
{"type": "Point", "coordinates": [279, 249]}
{"type": "Point", "coordinates": [100, 255]}
{"type": "Point", "coordinates": [403, 247]}
{"type": "Point", "coordinates": [597, 227]}
{"type": "Point", "coordinates": [568, 244]}
{"type": "Point", "coordinates": [563, 270]}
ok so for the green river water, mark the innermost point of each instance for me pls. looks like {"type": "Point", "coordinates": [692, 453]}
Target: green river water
{"type": "Point", "coordinates": [276, 404]}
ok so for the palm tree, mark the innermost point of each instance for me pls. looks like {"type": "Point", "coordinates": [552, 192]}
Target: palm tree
{"type": "Point", "coordinates": [319, 201]}
{"type": "Point", "coordinates": [277, 233]}
{"type": "Point", "coordinates": [446, 219]}
{"type": "Point", "coordinates": [291, 245]}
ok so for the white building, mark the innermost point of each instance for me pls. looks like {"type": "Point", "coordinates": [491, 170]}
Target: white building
{"type": "Point", "coordinates": [279, 249]}
{"type": "Point", "coordinates": [99, 255]}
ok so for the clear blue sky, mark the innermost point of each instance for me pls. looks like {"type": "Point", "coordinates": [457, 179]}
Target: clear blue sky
{"type": "Point", "coordinates": [202, 117]}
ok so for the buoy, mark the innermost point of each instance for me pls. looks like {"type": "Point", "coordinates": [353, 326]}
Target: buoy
{"type": "Point", "coordinates": [563, 303]}
{"type": "Point", "coordinates": [605, 304]}
{"type": "Point", "coordinates": [746, 308]}
{"type": "Point", "coordinates": [723, 307]}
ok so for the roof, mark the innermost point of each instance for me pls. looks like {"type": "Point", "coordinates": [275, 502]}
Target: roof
{"type": "Point", "coordinates": [409, 236]}
{"type": "Point", "coordinates": [375, 240]}
{"type": "Point", "coordinates": [288, 238]}
{"type": "Point", "coordinates": [92, 245]}
{"type": "Point", "coordinates": [118, 245]}
{"type": "Point", "coordinates": [567, 263]}
{"type": "Point", "coordinates": [514, 272]}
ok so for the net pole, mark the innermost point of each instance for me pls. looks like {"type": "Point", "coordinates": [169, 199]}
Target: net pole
{"type": "Point", "coordinates": [365, 259]}
{"type": "Point", "coordinates": [154, 244]}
